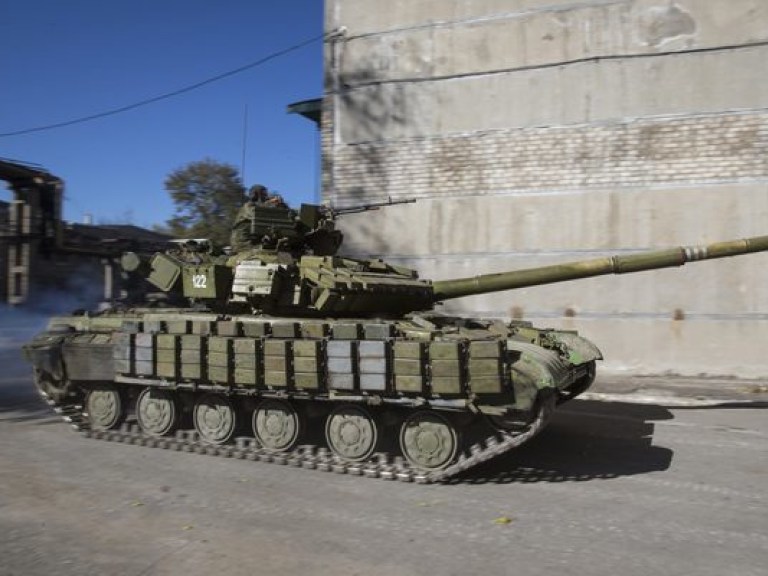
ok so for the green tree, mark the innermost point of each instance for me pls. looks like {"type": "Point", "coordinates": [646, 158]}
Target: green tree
{"type": "Point", "coordinates": [207, 195]}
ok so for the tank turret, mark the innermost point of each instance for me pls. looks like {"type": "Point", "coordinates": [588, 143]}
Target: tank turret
{"type": "Point", "coordinates": [286, 264]}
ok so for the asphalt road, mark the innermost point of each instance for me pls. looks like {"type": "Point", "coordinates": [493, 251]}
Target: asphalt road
{"type": "Point", "coordinates": [609, 488]}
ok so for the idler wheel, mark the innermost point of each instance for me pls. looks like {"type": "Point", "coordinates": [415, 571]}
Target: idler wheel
{"type": "Point", "coordinates": [215, 419]}
{"type": "Point", "coordinates": [276, 425]}
{"type": "Point", "coordinates": [351, 432]}
{"type": "Point", "coordinates": [428, 440]}
{"type": "Point", "coordinates": [104, 405]}
{"type": "Point", "coordinates": [157, 412]}
{"type": "Point", "coordinates": [51, 388]}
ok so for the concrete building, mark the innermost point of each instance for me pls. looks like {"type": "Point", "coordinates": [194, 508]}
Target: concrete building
{"type": "Point", "coordinates": [52, 265]}
{"type": "Point", "coordinates": [536, 132]}
{"type": "Point", "coordinates": [72, 276]}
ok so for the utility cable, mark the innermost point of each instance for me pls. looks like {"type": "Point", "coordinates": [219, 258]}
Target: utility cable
{"type": "Point", "coordinates": [167, 95]}
{"type": "Point", "coordinates": [349, 85]}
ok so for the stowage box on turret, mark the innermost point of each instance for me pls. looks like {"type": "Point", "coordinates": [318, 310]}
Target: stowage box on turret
{"type": "Point", "coordinates": [285, 351]}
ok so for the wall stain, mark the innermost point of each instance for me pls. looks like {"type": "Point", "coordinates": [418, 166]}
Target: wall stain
{"type": "Point", "coordinates": [664, 23]}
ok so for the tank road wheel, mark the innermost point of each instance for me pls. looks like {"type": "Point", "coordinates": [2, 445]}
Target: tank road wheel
{"type": "Point", "coordinates": [351, 433]}
{"type": "Point", "coordinates": [215, 419]}
{"type": "Point", "coordinates": [428, 440]}
{"type": "Point", "coordinates": [157, 412]}
{"type": "Point", "coordinates": [276, 425]}
{"type": "Point", "coordinates": [104, 405]}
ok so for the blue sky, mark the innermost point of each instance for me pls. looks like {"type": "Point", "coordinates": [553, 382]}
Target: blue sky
{"type": "Point", "coordinates": [64, 60]}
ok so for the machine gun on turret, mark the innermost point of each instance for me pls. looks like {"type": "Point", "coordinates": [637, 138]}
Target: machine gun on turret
{"type": "Point", "coordinates": [366, 207]}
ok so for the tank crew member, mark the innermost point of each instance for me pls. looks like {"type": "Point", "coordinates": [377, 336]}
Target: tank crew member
{"type": "Point", "coordinates": [259, 194]}
{"type": "Point", "coordinates": [242, 234]}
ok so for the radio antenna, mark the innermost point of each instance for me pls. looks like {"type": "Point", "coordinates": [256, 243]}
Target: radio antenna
{"type": "Point", "coordinates": [244, 144]}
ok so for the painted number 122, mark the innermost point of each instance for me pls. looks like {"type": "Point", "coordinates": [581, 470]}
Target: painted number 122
{"type": "Point", "coordinates": [199, 281]}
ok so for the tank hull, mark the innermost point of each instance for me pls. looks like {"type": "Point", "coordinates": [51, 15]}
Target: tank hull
{"type": "Point", "coordinates": [364, 391]}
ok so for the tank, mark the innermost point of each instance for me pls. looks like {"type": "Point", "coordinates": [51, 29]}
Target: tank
{"type": "Point", "coordinates": [283, 351]}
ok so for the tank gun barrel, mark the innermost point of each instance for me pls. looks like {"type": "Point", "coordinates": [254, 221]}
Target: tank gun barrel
{"type": "Point", "coordinates": [483, 284]}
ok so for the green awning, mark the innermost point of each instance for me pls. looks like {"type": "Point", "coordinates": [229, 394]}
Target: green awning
{"type": "Point", "coordinates": [310, 109]}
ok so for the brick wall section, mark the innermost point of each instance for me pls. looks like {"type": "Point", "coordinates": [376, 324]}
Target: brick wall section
{"type": "Point", "coordinates": [646, 152]}
{"type": "Point", "coordinates": [326, 144]}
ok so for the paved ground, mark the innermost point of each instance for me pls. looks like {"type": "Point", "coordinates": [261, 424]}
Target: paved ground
{"type": "Point", "coordinates": [609, 488]}
{"type": "Point", "coordinates": [675, 391]}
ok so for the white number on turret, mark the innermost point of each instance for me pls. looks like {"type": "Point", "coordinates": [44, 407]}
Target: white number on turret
{"type": "Point", "coordinates": [199, 281]}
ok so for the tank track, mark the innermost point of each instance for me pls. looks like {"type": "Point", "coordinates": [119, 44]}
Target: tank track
{"type": "Point", "coordinates": [309, 456]}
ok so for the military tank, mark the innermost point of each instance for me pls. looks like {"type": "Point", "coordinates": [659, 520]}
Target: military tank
{"type": "Point", "coordinates": [284, 351]}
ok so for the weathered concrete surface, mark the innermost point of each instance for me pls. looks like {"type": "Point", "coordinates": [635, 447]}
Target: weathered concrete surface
{"type": "Point", "coordinates": [608, 488]}
{"type": "Point", "coordinates": [462, 33]}
{"type": "Point", "coordinates": [535, 132]}
{"type": "Point", "coordinates": [439, 67]}
{"type": "Point", "coordinates": [575, 94]}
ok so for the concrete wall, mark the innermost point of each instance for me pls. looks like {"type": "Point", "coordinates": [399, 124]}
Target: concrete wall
{"type": "Point", "coordinates": [537, 132]}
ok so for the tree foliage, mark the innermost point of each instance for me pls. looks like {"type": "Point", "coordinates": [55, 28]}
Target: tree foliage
{"type": "Point", "coordinates": [207, 195]}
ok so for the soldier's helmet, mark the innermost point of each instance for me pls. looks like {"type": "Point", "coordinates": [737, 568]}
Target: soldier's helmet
{"type": "Point", "coordinates": [258, 193]}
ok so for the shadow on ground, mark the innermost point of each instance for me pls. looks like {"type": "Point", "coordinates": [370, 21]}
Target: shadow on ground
{"type": "Point", "coordinates": [586, 440]}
